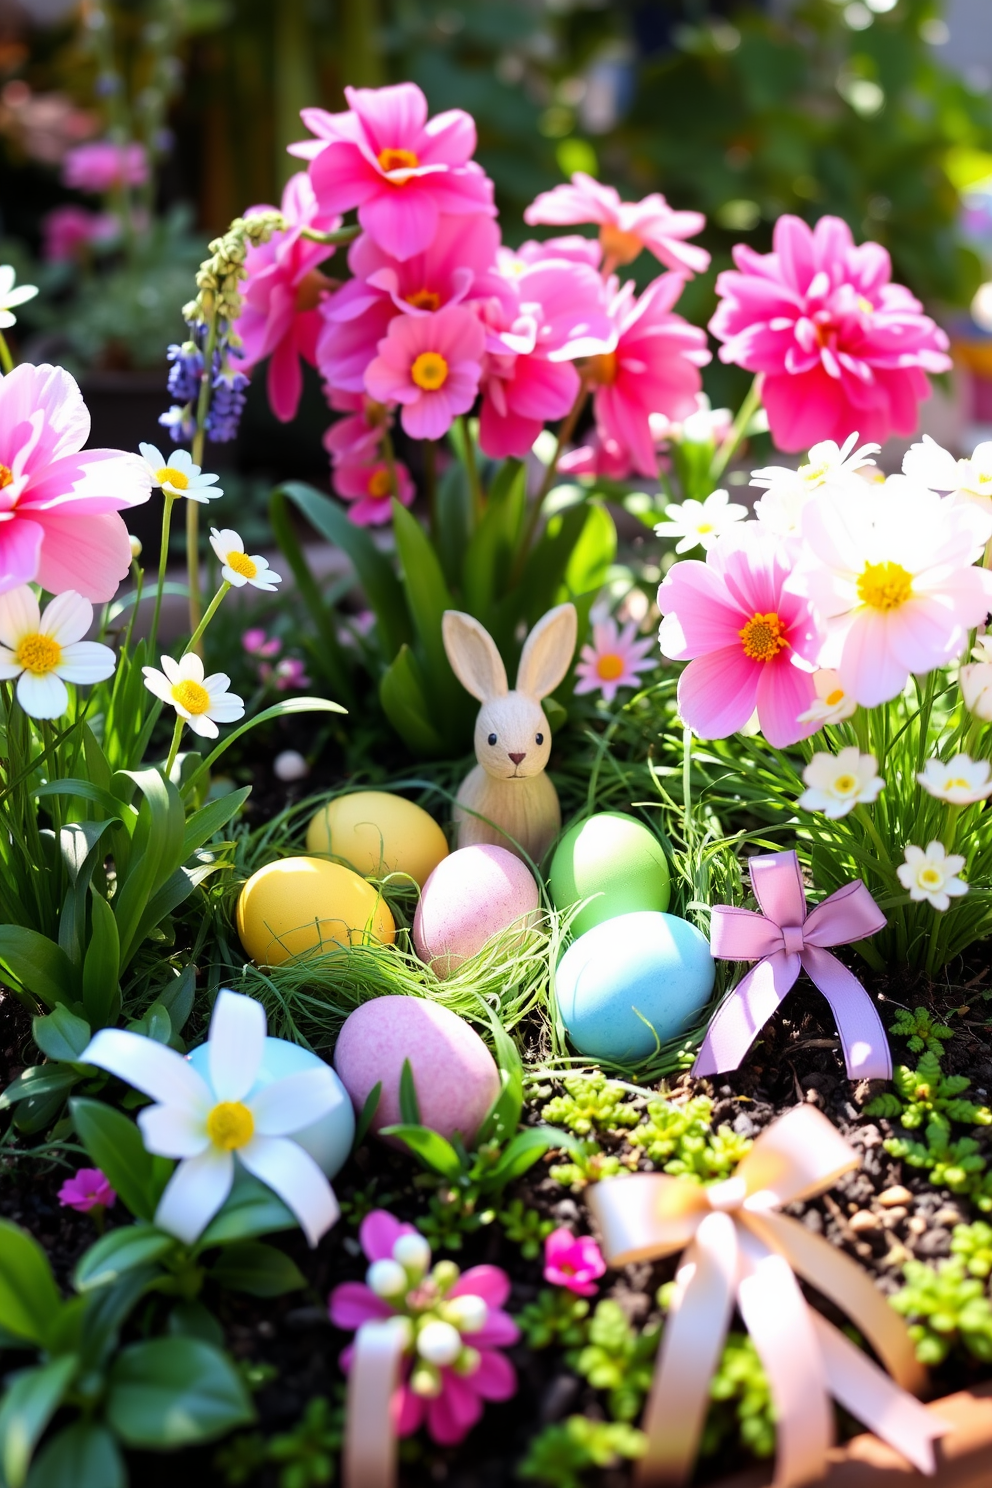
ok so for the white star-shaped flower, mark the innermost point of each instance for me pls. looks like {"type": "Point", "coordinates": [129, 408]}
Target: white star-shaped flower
{"type": "Point", "coordinates": [179, 476]}
{"type": "Point", "coordinates": [699, 523]}
{"type": "Point", "coordinates": [932, 875]}
{"type": "Point", "coordinates": [237, 566]}
{"type": "Point", "coordinates": [838, 783]}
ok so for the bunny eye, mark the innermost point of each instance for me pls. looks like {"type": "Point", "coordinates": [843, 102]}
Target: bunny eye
{"type": "Point", "coordinates": [492, 738]}
{"type": "Point", "coordinates": [538, 738]}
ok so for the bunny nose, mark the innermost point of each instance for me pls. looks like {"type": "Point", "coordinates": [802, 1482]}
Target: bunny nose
{"type": "Point", "coordinates": [516, 758]}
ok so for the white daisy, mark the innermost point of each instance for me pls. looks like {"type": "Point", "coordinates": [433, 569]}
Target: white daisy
{"type": "Point", "coordinates": [237, 567]}
{"type": "Point", "coordinates": [932, 875]}
{"type": "Point", "coordinates": [178, 476]}
{"type": "Point", "coordinates": [832, 704]}
{"type": "Point", "coordinates": [202, 701]}
{"type": "Point", "coordinates": [44, 652]}
{"type": "Point", "coordinates": [10, 297]}
{"type": "Point", "coordinates": [961, 782]}
{"type": "Point", "coordinates": [933, 466]}
{"type": "Point", "coordinates": [838, 783]}
{"type": "Point", "coordinates": [829, 467]}
{"type": "Point", "coordinates": [700, 523]}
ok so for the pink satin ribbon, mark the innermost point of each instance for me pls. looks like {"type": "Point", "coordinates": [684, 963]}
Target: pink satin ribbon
{"type": "Point", "coordinates": [738, 1251]}
{"type": "Point", "coordinates": [785, 940]}
{"type": "Point", "coordinates": [369, 1458]}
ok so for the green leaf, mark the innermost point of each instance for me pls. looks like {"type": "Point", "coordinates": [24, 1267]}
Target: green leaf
{"type": "Point", "coordinates": [102, 965]}
{"type": "Point", "coordinates": [250, 1209]}
{"type": "Point", "coordinates": [39, 1080]}
{"type": "Point", "coordinates": [114, 1145]}
{"type": "Point", "coordinates": [61, 1035]}
{"type": "Point", "coordinates": [434, 1151]}
{"type": "Point", "coordinates": [489, 559]}
{"type": "Point", "coordinates": [258, 1269]}
{"type": "Point", "coordinates": [194, 1320]}
{"type": "Point", "coordinates": [84, 1455]}
{"type": "Point", "coordinates": [177, 999]}
{"type": "Point", "coordinates": [524, 1151]}
{"type": "Point", "coordinates": [31, 1400]}
{"type": "Point", "coordinates": [594, 552]}
{"type": "Point", "coordinates": [175, 1392]}
{"type": "Point", "coordinates": [37, 963]}
{"type": "Point", "coordinates": [119, 1251]}
{"type": "Point", "coordinates": [286, 709]}
{"type": "Point", "coordinates": [428, 597]}
{"type": "Point", "coordinates": [409, 1104]}
{"type": "Point", "coordinates": [207, 822]}
{"type": "Point", "coordinates": [404, 702]}
{"type": "Point", "coordinates": [156, 854]}
{"type": "Point", "coordinates": [454, 520]}
{"type": "Point", "coordinates": [367, 1115]}
{"type": "Point", "coordinates": [503, 1116]}
{"type": "Point", "coordinates": [29, 1299]}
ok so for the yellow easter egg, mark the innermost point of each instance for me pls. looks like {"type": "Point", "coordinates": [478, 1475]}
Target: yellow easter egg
{"type": "Point", "coordinates": [377, 833]}
{"type": "Point", "coordinates": [307, 904]}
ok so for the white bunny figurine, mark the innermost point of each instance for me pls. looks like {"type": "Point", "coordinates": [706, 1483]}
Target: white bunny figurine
{"type": "Point", "coordinates": [512, 739]}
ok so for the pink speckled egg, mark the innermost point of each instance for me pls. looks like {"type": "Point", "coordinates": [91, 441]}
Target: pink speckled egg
{"type": "Point", "coordinates": [455, 1075]}
{"type": "Point", "coordinates": [471, 895]}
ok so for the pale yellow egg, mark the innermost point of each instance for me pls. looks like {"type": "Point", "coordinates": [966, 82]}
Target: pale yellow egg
{"type": "Point", "coordinates": [377, 833]}
{"type": "Point", "coordinates": [300, 905]}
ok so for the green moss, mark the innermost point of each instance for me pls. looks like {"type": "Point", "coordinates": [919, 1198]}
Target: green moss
{"type": "Point", "coordinates": [561, 1453]}
{"type": "Point", "coordinates": [945, 1306]}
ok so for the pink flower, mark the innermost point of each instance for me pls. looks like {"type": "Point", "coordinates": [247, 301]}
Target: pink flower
{"type": "Point", "coordinates": [654, 369]}
{"type": "Point", "coordinates": [280, 319]}
{"type": "Point", "coordinates": [457, 1327]}
{"type": "Point", "coordinates": [431, 365]}
{"type": "Point", "coordinates": [87, 1190]}
{"type": "Point", "coordinates": [625, 227]}
{"type": "Point", "coordinates": [65, 230]}
{"type": "Point", "coordinates": [58, 507]}
{"type": "Point", "coordinates": [398, 169]}
{"type": "Point", "coordinates": [601, 456]}
{"type": "Point", "coordinates": [578, 250]}
{"type": "Point", "coordinates": [839, 347]}
{"type": "Point", "coordinates": [741, 630]}
{"type": "Point", "coordinates": [573, 1262]}
{"type": "Point", "coordinates": [286, 674]}
{"type": "Point", "coordinates": [368, 485]}
{"type": "Point", "coordinates": [257, 643]}
{"type": "Point", "coordinates": [359, 433]}
{"type": "Point", "coordinates": [103, 166]}
{"type": "Point", "coordinates": [614, 660]}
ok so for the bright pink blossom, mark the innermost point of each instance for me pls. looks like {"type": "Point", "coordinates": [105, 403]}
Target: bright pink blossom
{"type": "Point", "coordinates": [400, 170]}
{"type": "Point", "coordinates": [840, 347]}
{"type": "Point", "coordinates": [358, 434]}
{"type": "Point", "coordinates": [579, 250]}
{"type": "Point", "coordinates": [87, 1189]}
{"type": "Point", "coordinates": [573, 1261]}
{"type": "Point", "coordinates": [613, 660]}
{"type": "Point", "coordinates": [741, 631]}
{"type": "Point", "coordinates": [625, 227]}
{"type": "Point", "coordinates": [601, 455]}
{"type": "Point", "coordinates": [257, 643]}
{"type": "Point", "coordinates": [286, 675]}
{"type": "Point", "coordinates": [368, 486]}
{"type": "Point", "coordinates": [654, 369]}
{"type": "Point", "coordinates": [280, 319]}
{"type": "Point", "coordinates": [59, 523]}
{"type": "Point", "coordinates": [430, 364]}
{"type": "Point", "coordinates": [103, 166]}
{"type": "Point", "coordinates": [66, 230]}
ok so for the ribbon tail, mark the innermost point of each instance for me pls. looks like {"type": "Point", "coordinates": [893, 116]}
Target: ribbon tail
{"type": "Point", "coordinates": [741, 1016]}
{"type": "Point", "coordinates": [691, 1346]}
{"type": "Point", "coordinates": [862, 1037]}
{"type": "Point", "coordinates": [863, 1389]}
{"type": "Point", "coordinates": [369, 1458]}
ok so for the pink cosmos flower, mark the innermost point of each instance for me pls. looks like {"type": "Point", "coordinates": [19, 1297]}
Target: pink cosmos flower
{"type": "Point", "coordinates": [103, 166]}
{"type": "Point", "coordinates": [625, 227]}
{"type": "Point", "coordinates": [65, 230]}
{"type": "Point", "coordinates": [87, 1189]}
{"type": "Point", "coordinates": [453, 1365]}
{"type": "Point", "coordinates": [573, 1261]}
{"type": "Point", "coordinates": [280, 319]}
{"type": "Point", "coordinates": [430, 364]}
{"type": "Point", "coordinates": [614, 660]}
{"type": "Point", "coordinates": [654, 369]}
{"type": "Point", "coordinates": [59, 523]}
{"type": "Point", "coordinates": [400, 170]}
{"type": "Point", "coordinates": [368, 485]}
{"type": "Point", "coordinates": [733, 619]}
{"type": "Point", "coordinates": [840, 347]}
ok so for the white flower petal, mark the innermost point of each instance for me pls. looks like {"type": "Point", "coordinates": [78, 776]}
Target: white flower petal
{"type": "Point", "coordinates": [295, 1177]}
{"type": "Point", "coordinates": [173, 1131]}
{"type": "Point", "coordinates": [157, 683]}
{"type": "Point", "coordinates": [153, 457]}
{"type": "Point", "coordinates": [236, 1044]}
{"type": "Point", "coordinates": [42, 697]}
{"type": "Point", "coordinates": [86, 661]}
{"type": "Point", "coordinates": [188, 669]}
{"type": "Point", "coordinates": [200, 724]}
{"type": "Point", "coordinates": [235, 579]}
{"type": "Point", "coordinates": [289, 1105]}
{"type": "Point", "coordinates": [67, 618]}
{"type": "Point", "coordinates": [150, 1067]}
{"type": "Point", "coordinates": [194, 1193]}
{"type": "Point", "coordinates": [227, 708]}
{"type": "Point", "coordinates": [19, 615]}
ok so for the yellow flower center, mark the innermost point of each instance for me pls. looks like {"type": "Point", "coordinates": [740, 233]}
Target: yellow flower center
{"type": "Point", "coordinates": [169, 475]}
{"type": "Point", "coordinates": [622, 247]}
{"type": "Point", "coordinates": [845, 784]}
{"type": "Point", "coordinates": [833, 698]}
{"type": "Point", "coordinates": [865, 305]}
{"type": "Point", "coordinates": [430, 371]}
{"type": "Point", "coordinates": [763, 637]}
{"type": "Point", "coordinates": [602, 369]}
{"type": "Point", "coordinates": [242, 564]}
{"type": "Point", "coordinates": [424, 299]}
{"type": "Point", "coordinates": [230, 1125]}
{"type": "Point", "coordinates": [393, 160]}
{"type": "Point", "coordinates": [6, 476]}
{"type": "Point", "coordinates": [931, 878]}
{"type": "Point", "coordinates": [704, 527]}
{"type": "Point", "coordinates": [958, 784]}
{"type": "Point", "coordinates": [885, 586]}
{"type": "Point", "coordinates": [609, 667]}
{"type": "Point", "coordinates": [38, 654]}
{"type": "Point", "coordinates": [192, 696]}
{"type": "Point", "coordinates": [813, 475]}
{"type": "Point", "coordinates": [380, 484]}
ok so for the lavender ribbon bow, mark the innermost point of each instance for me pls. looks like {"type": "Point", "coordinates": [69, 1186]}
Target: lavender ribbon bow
{"type": "Point", "coordinates": [785, 940]}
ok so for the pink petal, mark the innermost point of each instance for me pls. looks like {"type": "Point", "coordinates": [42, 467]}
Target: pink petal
{"type": "Point", "coordinates": [495, 1378]}
{"type": "Point", "coordinates": [498, 1331]}
{"type": "Point", "coordinates": [379, 1232]}
{"type": "Point", "coordinates": [717, 693]}
{"type": "Point", "coordinates": [454, 1412]}
{"type": "Point", "coordinates": [491, 1283]}
{"type": "Point", "coordinates": [353, 1303]}
{"type": "Point", "coordinates": [783, 693]}
{"type": "Point", "coordinates": [90, 554]}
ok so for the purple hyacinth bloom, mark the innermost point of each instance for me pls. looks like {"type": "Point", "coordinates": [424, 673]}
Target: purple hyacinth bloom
{"type": "Point", "coordinates": [180, 423]}
{"type": "Point", "coordinates": [226, 406]}
{"type": "Point", "coordinates": [185, 372]}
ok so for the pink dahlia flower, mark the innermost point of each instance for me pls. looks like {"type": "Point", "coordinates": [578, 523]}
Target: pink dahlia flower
{"type": "Point", "coordinates": [87, 1189]}
{"type": "Point", "coordinates": [614, 660]}
{"type": "Point", "coordinates": [103, 166]}
{"type": "Point", "coordinates": [59, 504]}
{"type": "Point", "coordinates": [368, 486]}
{"type": "Point", "coordinates": [573, 1261]}
{"type": "Point", "coordinates": [400, 170]}
{"type": "Point", "coordinates": [457, 1327]}
{"type": "Point", "coordinates": [280, 319]}
{"type": "Point", "coordinates": [625, 227]}
{"type": "Point", "coordinates": [741, 631]}
{"type": "Point", "coordinates": [430, 364]}
{"type": "Point", "coordinates": [839, 347]}
{"type": "Point", "coordinates": [654, 369]}
{"type": "Point", "coordinates": [65, 230]}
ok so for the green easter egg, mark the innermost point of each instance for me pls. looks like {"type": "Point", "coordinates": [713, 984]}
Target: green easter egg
{"type": "Point", "coordinates": [615, 857]}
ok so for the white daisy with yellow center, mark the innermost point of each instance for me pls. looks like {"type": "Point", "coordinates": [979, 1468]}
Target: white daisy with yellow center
{"type": "Point", "coordinates": [829, 467]}
{"type": "Point", "coordinates": [179, 476]}
{"type": "Point", "coordinates": [960, 782]}
{"type": "Point", "coordinates": [10, 297]}
{"type": "Point", "coordinates": [836, 783]}
{"type": "Point", "coordinates": [833, 704]}
{"type": "Point", "coordinates": [202, 702]}
{"type": "Point", "coordinates": [237, 566]}
{"type": "Point", "coordinates": [698, 524]}
{"type": "Point", "coordinates": [45, 651]}
{"type": "Point", "coordinates": [933, 466]}
{"type": "Point", "coordinates": [931, 875]}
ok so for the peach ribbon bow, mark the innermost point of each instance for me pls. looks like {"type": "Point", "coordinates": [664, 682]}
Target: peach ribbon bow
{"type": "Point", "coordinates": [739, 1250]}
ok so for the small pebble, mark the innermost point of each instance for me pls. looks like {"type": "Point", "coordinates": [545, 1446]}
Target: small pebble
{"type": "Point", "coordinates": [290, 765]}
{"type": "Point", "coordinates": [895, 1195]}
{"type": "Point", "coordinates": [917, 1225]}
{"type": "Point", "coordinates": [897, 1256]}
{"type": "Point", "coordinates": [863, 1220]}
{"type": "Point", "coordinates": [948, 1216]}
{"type": "Point", "coordinates": [895, 1216]}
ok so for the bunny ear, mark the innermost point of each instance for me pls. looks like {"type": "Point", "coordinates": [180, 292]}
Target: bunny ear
{"type": "Point", "coordinates": [547, 653]}
{"type": "Point", "coordinates": [474, 658]}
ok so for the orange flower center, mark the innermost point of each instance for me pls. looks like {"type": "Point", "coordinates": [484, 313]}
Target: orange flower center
{"type": "Point", "coordinates": [833, 698]}
{"type": "Point", "coordinates": [310, 290]}
{"type": "Point", "coordinates": [609, 667]}
{"type": "Point", "coordinates": [394, 160]}
{"type": "Point", "coordinates": [424, 299]}
{"type": "Point", "coordinates": [763, 637]}
{"type": "Point", "coordinates": [380, 483]}
{"type": "Point", "coordinates": [602, 369]}
{"type": "Point", "coordinates": [622, 247]}
{"type": "Point", "coordinates": [6, 476]}
{"type": "Point", "coordinates": [430, 371]}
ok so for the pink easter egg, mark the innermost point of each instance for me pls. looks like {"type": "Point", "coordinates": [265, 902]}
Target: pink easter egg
{"type": "Point", "coordinates": [472, 895]}
{"type": "Point", "coordinates": [455, 1075]}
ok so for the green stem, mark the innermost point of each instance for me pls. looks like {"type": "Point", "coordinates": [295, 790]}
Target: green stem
{"type": "Point", "coordinates": [163, 558]}
{"type": "Point", "coordinates": [212, 609]}
{"type": "Point", "coordinates": [6, 360]}
{"type": "Point", "coordinates": [430, 482]}
{"type": "Point", "coordinates": [174, 747]}
{"type": "Point", "coordinates": [341, 235]}
{"type": "Point", "coordinates": [737, 431]}
{"type": "Point", "coordinates": [390, 458]}
{"type": "Point", "coordinates": [192, 507]}
{"type": "Point", "coordinates": [564, 435]}
{"type": "Point", "coordinates": [472, 470]}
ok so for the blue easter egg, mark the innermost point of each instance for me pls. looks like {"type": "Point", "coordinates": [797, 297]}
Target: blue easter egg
{"type": "Point", "coordinates": [629, 975]}
{"type": "Point", "coordinates": [328, 1140]}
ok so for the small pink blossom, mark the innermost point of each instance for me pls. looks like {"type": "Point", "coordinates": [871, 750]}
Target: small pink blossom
{"type": "Point", "coordinates": [839, 347]}
{"type": "Point", "coordinates": [573, 1261]}
{"type": "Point", "coordinates": [66, 230]}
{"type": "Point", "coordinates": [431, 365]}
{"type": "Point", "coordinates": [257, 643]}
{"type": "Point", "coordinates": [356, 436]}
{"type": "Point", "coordinates": [578, 250]}
{"type": "Point", "coordinates": [87, 1189]}
{"type": "Point", "coordinates": [103, 166]}
{"type": "Point", "coordinates": [368, 486]}
{"type": "Point", "coordinates": [625, 227]}
{"type": "Point", "coordinates": [601, 455]}
{"type": "Point", "coordinates": [286, 675]}
{"type": "Point", "coordinates": [614, 660]}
